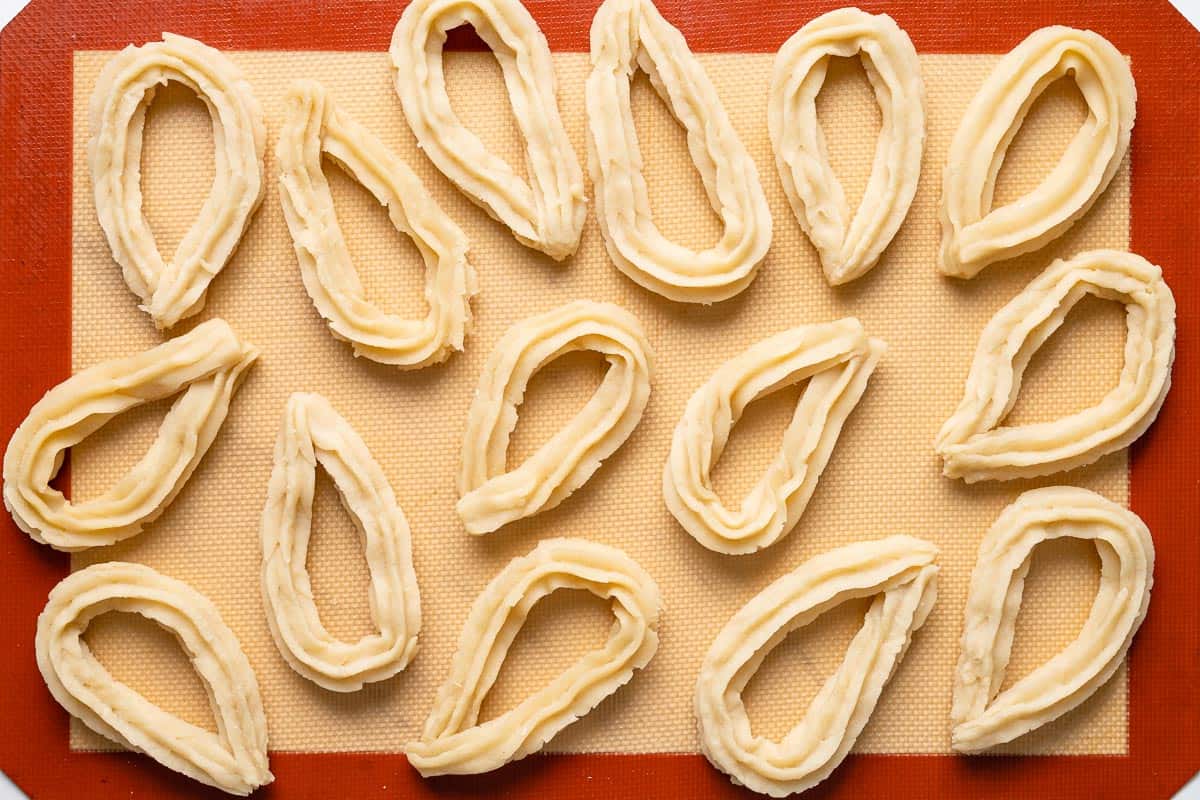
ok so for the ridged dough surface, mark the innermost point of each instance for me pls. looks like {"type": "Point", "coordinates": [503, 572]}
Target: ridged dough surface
{"type": "Point", "coordinates": [900, 573]}
{"type": "Point", "coordinates": [316, 127]}
{"type": "Point", "coordinates": [974, 443]}
{"type": "Point", "coordinates": [453, 742]}
{"type": "Point", "coordinates": [313, 433]}
{"type": "Point", "coordinates": [204, 365]}
{"type": "Point", "coordinates": [974, 234]}
{"type": "Point", "coordinates": [839, 358]}
{"type": "Point", "coordinates": [235, 758]}
{"type": "Point", "coordinates": [547, 211]}
{"type": "Point", "coordinates": [848, 245]}
{"type": "Point", "coordinates": [984, 716]}
{"type": "Point", "coordinates": [175, 289]}
{"type": "Point", "coordinates": [628, 35]}
{"type": "Point", "coordinates": [490, 496]}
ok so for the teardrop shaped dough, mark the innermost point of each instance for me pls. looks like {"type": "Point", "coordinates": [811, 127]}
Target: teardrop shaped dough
{"type": "Point", "coordinates": [453, 742]}
{"type": "Point", "coordinates": [314, 433]}
{"type": "Point", "coordinates": [984, 716]}
{"type": "Point", "coordinates": [315, 126]}
{"type": "Point", "coordinates": [900, 573]}
{"type": "Point", "coordinates": [848, 246]}
{"type": "Point", "coordinates": [973, 233]}
{"type": "Point", "coordinates": [839, 358]}
{"type": "Point", "coordinates": [628, 35]}
{"type": "Point", "coordinates": [973, 442]}
{"type": "Point", "coordinates": [207, 364]}
{"type": "Point", "coordinates": [234, 759]}
{"type": "Point", "coordinates": [171, 291]}
{"type": "Point", "coordinates": [546, 212]}
{"type": "Point", "coordinates": [489, 496]}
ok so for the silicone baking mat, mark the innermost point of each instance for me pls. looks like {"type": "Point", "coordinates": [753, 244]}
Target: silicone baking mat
{"type": "Point", "coordinates": [882, 479]}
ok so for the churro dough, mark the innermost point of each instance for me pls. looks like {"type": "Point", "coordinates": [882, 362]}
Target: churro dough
{"type": "Point", "coordinates": [170, 291]}
{"type": "Point", "coordinates": [452, 742]}
{"type": "Point", "coordinates": [546, 212]}
{"type": "Point", "coordinates": [848, 246]}
{"type": "Point", "coordinates": [628, 35]}
{"type": "Point", "coordinates": [973, 233]}
{"type": "Point", "coordinates": [235, 758]}
{"type": "Point", "coordinates": [314, 433]}
{"type": "Point", "coordinates": [982, 718]}
{"type": "Point", "coordinates": [971, 443]}
{"type": "Point", "coordinates": [314, 126]}
{"type": "Point", "coordinates": [900, 573]}
{"type": "Point", "coordinates": [839, 358]}
{"type": "Point", "coordinates": [207, 363]}
{"type": "Point", "coordinates": [490, 497]}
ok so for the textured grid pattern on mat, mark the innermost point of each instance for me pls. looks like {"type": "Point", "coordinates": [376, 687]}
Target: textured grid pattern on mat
{"type": "Point", "coordinates": [883, 477]}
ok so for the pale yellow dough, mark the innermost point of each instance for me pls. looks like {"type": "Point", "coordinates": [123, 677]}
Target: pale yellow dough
{"type": "Point", "coordinates": [628, 35]}
{"type": "Point", "coordinates": [900, 573]}
{"type": "Point", "coordinates": [848, 245]}
{"type": "Point", "coordinates": [973, 233]}
{"type": "Point", "coordinates": [235, 758]}
{"type": "Point", "coordinates": [314, 126]}
{"type": "Point", "coordinates": [171, 291]}
{"type": "Point", "coordinates": [982, 718]}
{"type": "Point", "coordinates": [207, 364]}
{"type": "Point", "coordinates": [314, 433]}
{"type": "Point", "coordinates": [490, 497]}
{"type": "Point", "coordinates": [545, 213]}
{"type": "Point", "coordinates": [839, 358]}
{"type": "Point", "coordinates": [453, 742]}
{"type": "Point", "coordinates": [974, 444]}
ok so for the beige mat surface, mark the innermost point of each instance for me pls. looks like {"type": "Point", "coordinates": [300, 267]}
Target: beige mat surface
{"type": "Point", "coordinates": [883, 478]}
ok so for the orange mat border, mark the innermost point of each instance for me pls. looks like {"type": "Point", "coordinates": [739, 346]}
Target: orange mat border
{"type": "Point", "coordinates": [35, 319]}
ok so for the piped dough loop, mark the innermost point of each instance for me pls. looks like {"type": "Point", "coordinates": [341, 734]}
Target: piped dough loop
{"type": "Point", "coordinates": [235, 758]}
{"type": "Point", "coordinates": [117, 115]}
{"type": "Point", "coordinates": [970, 442]}
{"type": "Point", "coordinates": [545, 213]}
{"type": "Point", "coordinates": [900, 573]}
{"type": "Point", "coordinates": [452, 742]}
{"type": "Point", "coordinates": [848, 246]}
{"type": "Point", "coordinates": [628, 35]}
{"type": "Point", "coordinates": [207, 363]}
{"type": "Point", "coordinates": [314, 126]}
{"type": "Point", "coordinates": [982, 718]}
{"type": "Point", "coordinates": [839, 358]}
{"type": "Point", "coordinates": [973, 233]}
{"type": "Point", "coordinates": [490, 497]}
{"type": "Point", "coordinates": [314, 433]}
